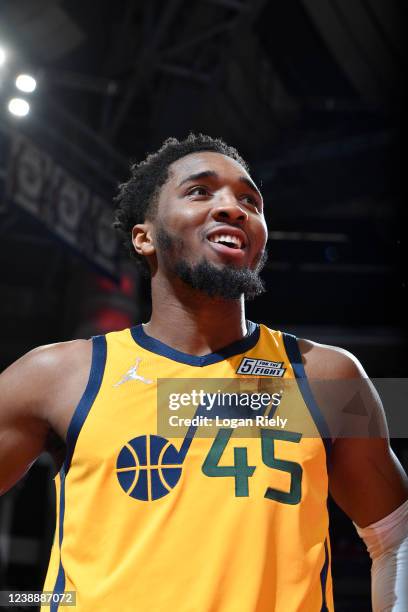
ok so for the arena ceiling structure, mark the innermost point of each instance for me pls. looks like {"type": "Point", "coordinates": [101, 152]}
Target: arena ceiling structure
{"type": "Point", "coordinates": [310, 91]}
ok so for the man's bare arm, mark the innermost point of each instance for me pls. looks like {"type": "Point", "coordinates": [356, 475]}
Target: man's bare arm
{"type": "Point", "coordinates": [38, 394]}
{"type": "Point", "coordinates": [366, 479]}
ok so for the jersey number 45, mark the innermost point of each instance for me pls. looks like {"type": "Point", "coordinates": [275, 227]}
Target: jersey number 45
{"type": "Point", "coordinates": [241, 471]}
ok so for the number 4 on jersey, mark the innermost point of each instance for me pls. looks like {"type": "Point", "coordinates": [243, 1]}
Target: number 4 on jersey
{"type": "Point", "coordinates": [241, 471]}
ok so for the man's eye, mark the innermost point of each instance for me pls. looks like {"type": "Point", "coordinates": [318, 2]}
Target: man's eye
{"type": "Point", "coordinates": [201, 191]}
{"type": "Point", "coordinates": [251, 200]}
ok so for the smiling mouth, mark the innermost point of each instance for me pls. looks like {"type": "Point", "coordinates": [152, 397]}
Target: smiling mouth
{"type": "Point", "coordinates": [232, 242]}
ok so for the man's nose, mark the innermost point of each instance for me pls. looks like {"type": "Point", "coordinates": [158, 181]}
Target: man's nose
{"type": "Point", "coordinates": [229, 209]}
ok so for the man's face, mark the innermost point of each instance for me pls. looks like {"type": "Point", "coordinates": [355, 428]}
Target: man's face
{"type": "Point", "coordinates": [210, 225]}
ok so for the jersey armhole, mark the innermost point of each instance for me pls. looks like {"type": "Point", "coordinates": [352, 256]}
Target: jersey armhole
{"type": "Point", "coordinates": [291, 345]}
{"type": "Point", "coordinates": [85, 403]}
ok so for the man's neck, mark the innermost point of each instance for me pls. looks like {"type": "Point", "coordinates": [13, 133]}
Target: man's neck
{"type": "Point", "coordinates": [192, 322]}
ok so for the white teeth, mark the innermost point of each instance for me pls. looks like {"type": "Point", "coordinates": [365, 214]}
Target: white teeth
{"type": "Point", "coordinates": [224, 238]}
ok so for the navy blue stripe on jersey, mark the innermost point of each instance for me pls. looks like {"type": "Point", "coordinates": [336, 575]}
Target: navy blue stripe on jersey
{"type": "Point", "coordinates": [60, 581]}
{"type": "Point", "coordinates": [75, 426]}
{"type": "Point", "coordinates": [323, 577]}
{"type": "Point", "coordinates": [88, 398]}
{"type": "Point", "coordinates": [293, 353]}
{"type": "Point", "coordinates": [158, 347]}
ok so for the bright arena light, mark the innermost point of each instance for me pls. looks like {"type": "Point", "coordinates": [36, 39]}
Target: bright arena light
{"type": "Point", "coordinates": [26, 83]}
{"type": "Point", "coordinates": [2, 56]}
{"type": "Point", "coordinates": [19, 107]}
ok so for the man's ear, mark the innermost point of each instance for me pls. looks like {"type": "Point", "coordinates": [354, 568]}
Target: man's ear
{"type": "Point", "coordinates": [142, 238]}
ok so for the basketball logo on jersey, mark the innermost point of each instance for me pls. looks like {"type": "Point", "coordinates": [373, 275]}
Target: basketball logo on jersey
{"type": "Point", "coordinates": [260, 367]}
{"type": "Point", "coordinates": [148, 467]}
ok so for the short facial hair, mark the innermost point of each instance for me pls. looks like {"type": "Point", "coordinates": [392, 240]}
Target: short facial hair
{"type": "Point", "coordinates": [226, 282]}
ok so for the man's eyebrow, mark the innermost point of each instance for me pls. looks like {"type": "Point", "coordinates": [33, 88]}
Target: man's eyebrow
{"type": "Point", "coordinates": [199, 175]}
{"type": "Point", "coordinates": [212, 174]}
{"type": "Point", "coordinates": [250, 184]}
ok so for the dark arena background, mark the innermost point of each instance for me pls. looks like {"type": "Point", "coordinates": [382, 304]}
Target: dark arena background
{"type": "Point", "coordinates": [311, 92]}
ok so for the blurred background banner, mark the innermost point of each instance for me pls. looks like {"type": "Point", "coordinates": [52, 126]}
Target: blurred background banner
{"type": "Point", "coordinates": [64, 205]}
{"type": "Point", "coordinates": [313, 95]}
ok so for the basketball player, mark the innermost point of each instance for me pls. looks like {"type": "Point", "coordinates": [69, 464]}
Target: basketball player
{"type": "Point", "coordinates": [198, 523]}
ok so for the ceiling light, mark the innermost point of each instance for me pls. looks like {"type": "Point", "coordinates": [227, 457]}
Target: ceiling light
{"type": "Point", "coordinates": [19, 107]}
{"type": "Point", "coordinates": [26, 83]}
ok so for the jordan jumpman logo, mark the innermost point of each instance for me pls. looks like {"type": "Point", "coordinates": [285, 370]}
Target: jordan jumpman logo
{"type": "Point", "coordinates": [133, 375]}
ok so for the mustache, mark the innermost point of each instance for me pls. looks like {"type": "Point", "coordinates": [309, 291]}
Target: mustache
{"type": "Point", "coordinates": [168, 242]}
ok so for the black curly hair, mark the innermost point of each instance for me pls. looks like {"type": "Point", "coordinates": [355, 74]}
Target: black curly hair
{"type": "Point", "coordinates": [137, 198]}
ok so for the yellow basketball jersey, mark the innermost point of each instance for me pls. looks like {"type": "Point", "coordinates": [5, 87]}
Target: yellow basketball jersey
{"type": "Point", "coordinates": [192, 523]}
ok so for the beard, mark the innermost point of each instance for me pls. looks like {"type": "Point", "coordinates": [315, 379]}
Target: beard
{"type": "Point", "coordinates": [226, 282]}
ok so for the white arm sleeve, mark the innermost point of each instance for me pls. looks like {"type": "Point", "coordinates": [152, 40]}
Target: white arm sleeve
{"type": "Point", "coordinates": [387, 543]}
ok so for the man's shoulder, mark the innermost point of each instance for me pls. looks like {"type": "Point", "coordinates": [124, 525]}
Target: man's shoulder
{"type": "Point", "coordinates": [323, 361]}
{"type": "Point", "coordinates": [36, 375]}
{"type": "Point", "coordinates": [49, 358]}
